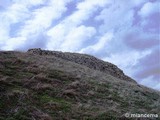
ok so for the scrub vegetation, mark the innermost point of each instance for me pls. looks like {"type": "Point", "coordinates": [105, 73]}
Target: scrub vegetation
{"type": "Point", "coordinates": [47, 87]}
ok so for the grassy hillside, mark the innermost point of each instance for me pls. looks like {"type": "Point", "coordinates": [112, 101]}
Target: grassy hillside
{"type": "Point", "coordinates": [46, 87]}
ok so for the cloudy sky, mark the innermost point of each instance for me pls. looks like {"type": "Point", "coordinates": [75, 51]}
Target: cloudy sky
{"type": "Point", "coordinates": [124, 32]}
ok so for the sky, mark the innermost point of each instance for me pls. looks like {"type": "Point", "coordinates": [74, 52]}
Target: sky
{"type": "Point", "coordinates": [123, 32]}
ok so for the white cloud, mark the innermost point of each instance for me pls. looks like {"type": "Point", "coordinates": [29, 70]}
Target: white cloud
{"type": "Point", "coordinates": [156, 86]}
{"type": "Point", "coordinates": [149, 8]}
{"type": "Point", "coordinates": [85, 10]}
{"type": "Point", "coordinates": [100, 45]}
{"type": "Point", "coordinates": [90, 4]}
{"type": "Point", "coordinates": [13, 14]}
{"type": "Point", "coordinates": [57, 35]}
{"type": "Point", "coordinates": [37, 20]}
{"type": "Point", "coordinates": [43, 17]}
{"type": "Point", "coordinates": [150, 82]}
{"type": "Point", "coordinates": [112, 17]}
{"type": "Point", "coordinates": [61, 32]}
{"type": "Point", "coordinates": [149, 14]}
{"type": "Point", "coordinates": [76, 38]}
{"type": "Point", "coordinates": [126, 60]}
{"type": "Point", "coordinates": [12, 43]}
{"type": "Point", "coordinates": [4, 31]}
{"type": "Point", "coordinates": [16, 13]}
{"type": "Point", "coordinates": [30, 3]}
{"type": "Point", "coordinates": [71, 39]}
{"type": "Point", "coordinates": [97, 27]}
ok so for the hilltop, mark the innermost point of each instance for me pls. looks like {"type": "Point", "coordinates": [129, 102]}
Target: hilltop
{"type": "Point", "coordinates": [51, 85]}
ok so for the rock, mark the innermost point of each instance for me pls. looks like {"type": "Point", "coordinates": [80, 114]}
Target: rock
{"type": "Point", "coordinates": [86, 60]}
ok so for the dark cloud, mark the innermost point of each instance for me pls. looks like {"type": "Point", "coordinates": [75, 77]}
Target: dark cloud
{"type": "Point", "coordinates": [149, 66]}
{"type": "Point", "coordinates": [152, 23]}
{"type": "Point", "coordinates": [136, 41]}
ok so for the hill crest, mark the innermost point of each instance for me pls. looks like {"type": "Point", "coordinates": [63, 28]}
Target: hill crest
{"type": "Point", "coordinates": [86, 60]}
{"type": "Point", "coordinates": [49, 85]}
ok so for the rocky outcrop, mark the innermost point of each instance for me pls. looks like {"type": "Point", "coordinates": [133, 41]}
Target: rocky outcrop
{"type": "Point", "coordinates": [86, 60]}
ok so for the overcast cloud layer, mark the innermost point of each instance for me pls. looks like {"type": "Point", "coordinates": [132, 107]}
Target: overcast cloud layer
{"type": "Point", "coordinates": [124, 32]}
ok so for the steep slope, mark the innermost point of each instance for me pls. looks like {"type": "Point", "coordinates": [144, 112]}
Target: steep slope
{"type": "Point", "coordinates": [49, 85]}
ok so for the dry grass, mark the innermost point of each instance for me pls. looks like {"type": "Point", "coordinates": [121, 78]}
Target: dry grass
{"type": "Point", "coordinates": [49, 88]}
